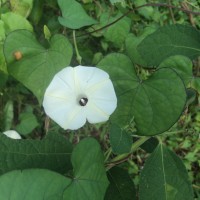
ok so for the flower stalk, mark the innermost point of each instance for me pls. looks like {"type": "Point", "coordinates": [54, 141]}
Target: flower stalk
{"type": "Point", "coordinates": [78, 57]}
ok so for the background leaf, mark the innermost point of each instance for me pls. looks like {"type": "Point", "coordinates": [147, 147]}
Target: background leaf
{"type": "Point", "coordinates": [8, 113]}
{"type": "Point", "coordinates": [28, 122]}
{"type": "Point", "coordinates": [33, 184]}
{"type": "Point", "coordinates": [90, 181]}
{"type": "Point", "coordinates": [53, 152]}
{"type": "Point", "coordinates": [38, 65]}
{"type": "Point", "coordinates": [132, 43]}
{"type": "Point", "coordinates": [164, 177]}
{"type": "Point", "coordinates": [150, 101]}
{"type": "Point", "coordinates": [150, 145]}
{"type": "Point", "coordinates": [13, 21]}
{"type": "Point", "coordinates": [73, 15]}
{"type": "Point", "coordinates": [182, 65]}
{"type": "Point", "coordinates": [169, 41]}
{"type": "Point", "coordinates": [195, 83]}
{"type": "Point", "coordinates": [117, 32]}
{"type": "Point", "coordinates": [120, 140]}
{"type": "Point", "coordinates": [22, 7]}
{"type": "Point", "coordinates": [121, 186]}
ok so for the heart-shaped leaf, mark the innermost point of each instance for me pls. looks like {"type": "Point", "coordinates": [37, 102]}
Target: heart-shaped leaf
{"type": "Point", "coordinates": [164, 177]}
{"type": "Point", "coordinates": [73, 15]}
{"type": "Point", "coordinates": [90, 181]}
{"type": "Point", "coordinates": [33, 184]}
{"type": "Point", "coordinates": [53, 152]}
{"type": "Point", "coordinates": [32, 64]}
{"type": "Point", "coordinates": [169, 41]}
{"type": "Point", "coordinates": [156, 103]}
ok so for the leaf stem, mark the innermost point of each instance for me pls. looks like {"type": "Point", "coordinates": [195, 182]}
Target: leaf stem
{"type": "Point", "coordinates": [122, 157]}
{"type": "Point", "coordinates": [78, 57]}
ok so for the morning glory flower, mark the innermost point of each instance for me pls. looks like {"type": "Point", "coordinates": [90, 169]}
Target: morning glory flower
{"type": "Point", "coordinates": [80, 94]}
{"type": "Point", "coordinates": [12, 134]}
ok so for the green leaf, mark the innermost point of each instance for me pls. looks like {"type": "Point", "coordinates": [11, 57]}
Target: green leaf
{"type": "Point", "coordinates": [53, 152]}
{"type": "Point", "coordinates": [90, 181]}
{"type": "Point", "coordinates": [195, 83]}
{"type": "Point", "coordinates": [13, 21]}
{"type": "Point", "coordinates": [117, 32]}
{"type": "Point", "coordinates": [3, 66]}
{"type": "Point", "coordinates": [117, 1]}
{"type": "Point", "coordinates": [21, 7]}
{"type": "Point", "coordinates": [3, 80]}
{"type": "Point", "coordinates": [164, 177]}
{"type": "Point", "coordinates": [182, 65]}
{"type": "Point", "coordinates": [2, 31]}
{"type": "Point", "coordinates": [120, 140]}
{"type": "Point", "coordinates": [150, 145]}
{"type": "Point", "coordinates": [28, 122]}
{"type": "Point", "coordinates": [38, 65]}
{"type": "Point", "coordinates": [37, 11]}
{"type": "Point", "coordinates": [132, 43]}
{"type": "Point", "coordinates": [121, 186]}
{"type": "Point", "coordinates": [149, 101]}
{"type": "Point", "coordinates": [73, 15]}
{"type": "Point", "coordinates": [8, 114]}
{"type": "Point", "coordinates": [146, 11]}
{"type": "Point", "coordinates": [33, 184]}
{"type": "Point", "coordinates": [169, 41]}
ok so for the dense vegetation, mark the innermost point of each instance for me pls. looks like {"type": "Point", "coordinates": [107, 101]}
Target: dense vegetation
{"type": "Point", "coordinates": [150, 147]}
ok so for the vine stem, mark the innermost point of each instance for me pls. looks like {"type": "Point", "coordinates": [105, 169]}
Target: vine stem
{"type": "Point", "coordinates": [136, 8]}
{"type": "Point", "coordinates": [123, 157]}
{"type": "Point", "coordinates": [78, 57]}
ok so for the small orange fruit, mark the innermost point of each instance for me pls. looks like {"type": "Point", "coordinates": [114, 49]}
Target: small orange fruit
{"type": "Point", "coordinates": [18, 55]}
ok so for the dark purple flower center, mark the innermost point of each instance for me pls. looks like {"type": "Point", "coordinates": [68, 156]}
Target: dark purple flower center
{"type": "Point", "coordinates": [83, 101]}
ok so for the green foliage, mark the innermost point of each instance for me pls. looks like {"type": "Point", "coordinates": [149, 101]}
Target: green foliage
{"type": "Point", "coordinates": [13, 21]}
{"type": "Point", "coordinates": [182, 65]}
{"type": "Point", "coordinates": [30, 153]}
{"type": "Point", "coordinates": [151, 52]}
{"type": "Point", "coordinates": [163, 94]}
{"type": "Point", "coordinates": [9, 115]}
{"type": "Point", "coordinates": [22, 7]}
{"type": "Point", "coordinates": [89, 181]}
{"type": "Point", "coordinates": [38, 65]}
{"type": "Point", "coordinates": [132, 43]}
{"type": "Point", "coordinates": [33, 184]}
{"type": "Point", "coordinates": [28, 122]}
{"type": "Point", "coordinates": [121, 186]}
{"type": "Point", "coordinates": [118, 32]}
{"type": "Point", "coordinates": [120, 140]}
{"type": "Point", "coordinates": [169, 41]}
{"type": "Point", "coordinates": [164, 177]}
{"type": "Point", "coordinates": [74, 16]}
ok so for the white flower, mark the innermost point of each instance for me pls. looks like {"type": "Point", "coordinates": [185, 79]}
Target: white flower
{"type": "Point", "coordinates": [77, 94]}
{"type": "Point", "coordinates": [12, 134]}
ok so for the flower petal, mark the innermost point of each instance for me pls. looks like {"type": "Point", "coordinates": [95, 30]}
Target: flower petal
{"type": "Point", "coordinates": [95, 115]}
{"type": "Point", "coordinates": [67, 114]}
{"type": "Point", "coordinates": [102, 102]}
{"type": "Point", "coordinates": [12, 134]}
{"type": "Point", "coordinates": [60, 101]}
{"type": "Point", "coordinates": [89, 76]}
